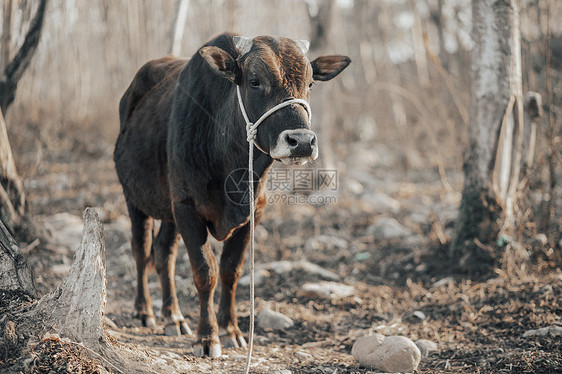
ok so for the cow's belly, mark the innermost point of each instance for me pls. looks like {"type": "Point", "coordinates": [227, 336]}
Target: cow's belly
{"type": "Point", "coordinates": [144, 180]}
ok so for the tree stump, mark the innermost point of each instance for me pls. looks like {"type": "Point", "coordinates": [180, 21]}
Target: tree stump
{"type": "Point", "coordinates": [72, 315]}
{"type": "Point", "coordinates": [68, 320]}
{"type": "Point", "coordinates": [77, 307]}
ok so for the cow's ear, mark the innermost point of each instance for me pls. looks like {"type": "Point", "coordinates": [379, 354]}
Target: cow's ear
{"type": "Point", "coordinates": [220, 62]}
{"type": "Point", "coordinates": [327, 67]}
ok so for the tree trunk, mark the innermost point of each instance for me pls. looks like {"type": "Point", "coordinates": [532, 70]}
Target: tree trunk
{"type": "Point", "coordinates": [12, 195]}
{"type": "Point", "coordinates": [320, 14]}
{"type": "Point", "coordinates": [15, 69]}
{"type": "Point", "coordinates": [179, 27]}
{"type": "Point", "coordinates": [6, 35]}
{"type": "Point", "coordinates": [493, 155]}
{"type": "Point", "coordinates": [14, 272]}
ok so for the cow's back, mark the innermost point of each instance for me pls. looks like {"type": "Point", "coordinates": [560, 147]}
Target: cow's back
{"type": "Point", "coordinates": [151, 74]}
{"type": "Point", "coordinates": [140, 152]}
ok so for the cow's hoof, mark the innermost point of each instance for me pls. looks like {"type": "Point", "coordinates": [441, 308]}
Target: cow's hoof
{"type": "Point", "coordinates": [231, 337]}
{"type": "Point", "coordinates": [148, 321]}
{"type": "Point", "coordinates": [177, 328]}
{"type": "Point", "coordinates": [184, 328]}
{"type": "Point", "coordinates": [233, 341]}
{"type": "Point", "coordinates": [201, 349]}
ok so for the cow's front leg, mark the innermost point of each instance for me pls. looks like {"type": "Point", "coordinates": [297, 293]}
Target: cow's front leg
{"type": "Point", "coordinates": [205, 274]}
{"type": "Point", "coordinates": [232, 258]}
{"type": "Point", "coordinates": [230, 270]}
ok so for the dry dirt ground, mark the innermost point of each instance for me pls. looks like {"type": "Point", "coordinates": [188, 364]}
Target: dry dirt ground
{"type": "Point", "coordinates": [477, 321]}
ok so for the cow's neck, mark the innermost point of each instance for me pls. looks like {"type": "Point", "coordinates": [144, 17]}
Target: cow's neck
{"type": "Point", "coordinates": [237, 142]}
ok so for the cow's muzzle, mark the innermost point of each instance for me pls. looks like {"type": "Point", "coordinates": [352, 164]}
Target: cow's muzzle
{"type": "Point", "coordinates": [296, 146]}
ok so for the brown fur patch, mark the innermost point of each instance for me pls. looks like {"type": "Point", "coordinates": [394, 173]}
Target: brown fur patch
{"type": "Point", "coordinates": [283, 64]}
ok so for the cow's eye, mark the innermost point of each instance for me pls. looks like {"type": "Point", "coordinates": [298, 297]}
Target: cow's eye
{"type": "Point", "coordinates": [310, 85]}
{"type": "Point", "coordinates": [254, 83]}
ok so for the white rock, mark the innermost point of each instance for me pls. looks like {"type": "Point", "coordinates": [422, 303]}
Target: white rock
{"type": "Point", "coordinates": [325, 290]}
{"type": "Point", "coordinates": [555, 330]}
{"type": "Point", "coordinates": [320, 242]}
{"type": "Point", "coordinates": [426, 347]}
{"type": "Point", "coordinates": [419, 218]}
{"type": "Point", "coordinates": [302, 355]}
{"type": "Point", "coordinates": [311, 268]}
{"type": "Point", "coordinates": [394, 354]}
{"type": "Point", "coordinates": [413, 240]}
{"type": "Point", "coordinates": [283, 371]}
{"type": "Point", "coordinates": [544, 331]}
{"type": "Point", "coordinates": [354, 186]}
{"type": "Point", "coordinates": [380, 202]}
{"type": "Point", "coordinates": [268, 318]}
{"type": "Point", "coordinates": [443, 282]}
{"type": "Point", "coordinates": [259, 277]}
{"type": "Point", "coordinates": [388, 228]}
{"type": "Point", "coordinates": [420, 315]}
{"type": "Point", "coordinates": [541, 238]}
{"type": "Point", "coordinates": [281, 267]}
{"type": "Point", "coordinates": [261, 233]}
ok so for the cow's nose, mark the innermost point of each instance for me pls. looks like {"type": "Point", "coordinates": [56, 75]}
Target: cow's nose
{"type": "Point", "coordinates": [301, 144]}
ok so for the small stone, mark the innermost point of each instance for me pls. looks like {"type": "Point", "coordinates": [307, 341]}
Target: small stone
{"type": "Point", "coordinates": [443, 282]}
{"type": "Point", "coordinates": [555, 331]}
{"type": "Point", "coordinates": [267, 318]}
{"type": "Point", "coordinates": [261, 233]}
{"type": "Point", "coordinates": [354, 186]}
{"type": "Point", "coordinates": [541, 239]}
{"type": "Point", "coordinates": [426, 347]}
{"type": "Point", "coordinates": [325, 290]}
{"type": "Point", "coordinates": [394, 354]}
{"type": "Point", "coordinates": [388, 228]}
{"type": "Point", "coordinates": [421, 268]}
{"type": "Point", "coordinates": [283, 371]}
{"type": "Point", "coordinates": [259, 278]}
{"type": "Point", "coordinates": [420, 315]}
{"type": "Point", "coordinates": [543, 331]}
{"type": "Point", "coordinates": [302, 355]}
{"type": "Point", "coordinates": [419, 218]}
{"type": "Point", "coordinates": [380, 202]}
{"type": "Point", "coordinates": [311, 268]}
{"type": "Point", "coordinates": [281, 267]}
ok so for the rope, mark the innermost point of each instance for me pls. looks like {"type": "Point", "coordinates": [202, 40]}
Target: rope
{"type": "Point", "coordinates": [251, 132]}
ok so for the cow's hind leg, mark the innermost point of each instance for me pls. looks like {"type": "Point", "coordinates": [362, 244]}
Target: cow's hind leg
{"type": "Point", "coordinates": [141, 244]}
{"type": "Point", "coordinates": [165, 253]}
{"type": "Point", "coordinates": [205, 274]}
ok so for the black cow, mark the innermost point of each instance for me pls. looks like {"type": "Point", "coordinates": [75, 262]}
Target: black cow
{"type": "Point", "coordinates": [182, 133]}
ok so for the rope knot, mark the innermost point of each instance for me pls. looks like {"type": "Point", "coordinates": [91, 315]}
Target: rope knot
{"type": "Point", "coordinates": [251, 132]}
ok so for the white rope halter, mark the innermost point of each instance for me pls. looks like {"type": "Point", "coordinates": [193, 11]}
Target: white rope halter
{"type": "Point", "coordinates": [251, 132]}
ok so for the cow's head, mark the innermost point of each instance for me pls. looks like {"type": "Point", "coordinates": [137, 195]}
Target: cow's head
{"type": "Point", "coordinates": [270, 70]}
